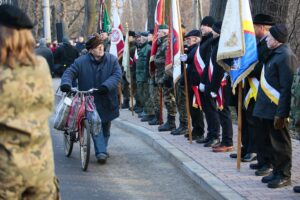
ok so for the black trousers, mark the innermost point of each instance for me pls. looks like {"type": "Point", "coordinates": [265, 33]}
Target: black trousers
{"type": "Point", "coordinates": [226, 124]}
{"type": "Point", "coordinates": [196, 116]}
{"type": "Point", "coordinates": [212, 116]}
{"type": "Point", "coordinates": [249, 129]}
{"type": "Point", "coordinates": [275, 146]}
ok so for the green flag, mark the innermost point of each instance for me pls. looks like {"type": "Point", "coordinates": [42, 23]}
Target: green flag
{"type": "Point", "coordinates": [106, 21]}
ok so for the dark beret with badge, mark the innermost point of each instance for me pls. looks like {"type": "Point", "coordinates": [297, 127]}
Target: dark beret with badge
{"type": "Point", "coordinates": [14, 17]}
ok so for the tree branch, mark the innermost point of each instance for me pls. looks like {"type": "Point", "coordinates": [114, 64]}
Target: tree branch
{"type": "Point", "coordinates": [75, 17]}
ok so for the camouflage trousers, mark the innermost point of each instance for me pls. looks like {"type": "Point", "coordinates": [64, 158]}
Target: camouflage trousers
{"type": "Point", "coordinates": [180, 102]}
{"type": "Point", "coordinates": [148, 107]}
{"type": "Point", "coordinates": [169, 100]}
{"type": "Point", "coordinates": [26, 166]}
{"type": "Point", "coordinates": [154, 96]}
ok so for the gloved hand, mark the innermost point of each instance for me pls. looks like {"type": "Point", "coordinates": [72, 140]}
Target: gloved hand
{"type": "Point", "coordinates": [183, 57]}
{"type": "Point", "coordinates": [213, 95]}
{"type": "Point", "coordinates": [201, 87]}
{"type": "Point", "coordinates": [280, 123]}
{"type": "Point", "coordinates": [65, 88]}
{"type": "Point", "coordinates": [101, 90]}
{"type": "Point", "coordinates": [168, 82]}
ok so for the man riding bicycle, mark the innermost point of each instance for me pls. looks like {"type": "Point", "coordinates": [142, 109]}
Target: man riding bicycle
{"type": "Point", "coordinates": [101, 70]}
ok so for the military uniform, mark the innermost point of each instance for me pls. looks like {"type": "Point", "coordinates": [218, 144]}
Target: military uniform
{"type": "Point", "coordinates": [295, 105]}
{"type": "Point", "coordinates": [165, 80]}
{"type": "Point", "coordinates": [26, 157]}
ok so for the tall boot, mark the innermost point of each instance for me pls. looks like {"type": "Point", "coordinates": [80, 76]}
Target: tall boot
{"type": "Point", "coordinates": [155, 120]}
{"type": "Point", "coordinates": [169, 125]}
{"type": "Point", "coordinates": [181, 130]}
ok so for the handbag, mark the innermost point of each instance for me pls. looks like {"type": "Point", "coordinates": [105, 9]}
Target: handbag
{"type": "Point", "coordinates": [62, 112]}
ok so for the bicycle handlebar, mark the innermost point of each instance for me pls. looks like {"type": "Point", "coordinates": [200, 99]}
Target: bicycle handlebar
{"type": "Point", "coordinates": [83, 92]}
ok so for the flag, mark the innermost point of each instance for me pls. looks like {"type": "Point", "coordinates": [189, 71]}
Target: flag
{"type": "Point", "coordinates": [158, 20]}
{"type": "Point", "coordinates": [126, 55]}
{"type": "Point", "coordinates": [117, 42]}
{"type": "Point", "coordinates": [237, 51]}
{"type": "Point", "coordinates": [173, 63]}
{"type": "Point", "coordinates": [106, 21]}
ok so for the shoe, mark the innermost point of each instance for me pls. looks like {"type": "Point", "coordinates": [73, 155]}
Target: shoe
{"type": "Point", "coordinates": [138, 110]}
{"type": "Point", "coordinates": [267, 179]}
{"type": "Point", "coordinates": [279, 182]}
{"type": "Point", "coordinates": [233, 155]}
{"type": "Point", "coordinates": [203, 140]}
{"type": "Point", "coordinates": [101, 158]}
{"type": "Point", "coordinates": [195, 137]}
{"type": "Point", "coordinates": [212, 142]}
{"type": "Point", "coordinates": [255, 166]}
{"type": "Point", "coordinates": [249, 157]}
{"type": "Point", "coordinates": [147, 118]}
{"type": "Point", "coordinates": [125, 105]}
{"type": "Point", "coordinates": [264, 171]}
{"type": "Point", "coordinates": [169, 125]}
{"type": "Point", "coordinates": [222, 148]}
{"type": "Point", "coordinates": [141, 114]}
{"type": "Point", "coordinates": [181, 130]}
{"type": "Point", "coordinates": [297, 189]}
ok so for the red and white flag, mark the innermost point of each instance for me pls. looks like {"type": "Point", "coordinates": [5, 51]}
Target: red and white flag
{"type": "Point", "coordinates": [117, 41]}
{"type": "Point", "coordinates": [173, 62]}
{"type": "Point", "coordinates": [158, 19]}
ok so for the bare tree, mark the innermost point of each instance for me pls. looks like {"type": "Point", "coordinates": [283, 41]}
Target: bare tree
{"type": "Point", "coordinates": [217, 9]}
{"type": "Point", "coordinates": [89, 18]}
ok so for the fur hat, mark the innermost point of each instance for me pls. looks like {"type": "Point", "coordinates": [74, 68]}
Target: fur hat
{"type": "Point", "coordinates": [93, 41]}
{"type": "Point", "coordinates": [13, 17]}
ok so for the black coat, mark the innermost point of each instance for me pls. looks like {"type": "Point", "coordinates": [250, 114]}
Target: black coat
{"type": "Point", "coordinates": [45, 52]}
{"type": "Point", "coordinates": [279, 74]}
{"type": "Point", "coordinates": [191, 72]}
{"type": "Point", "coordinates": [92, 74]}
{"type": "Point", "coordinates": [205, 52]}
{"type": "Point", "coordinates": [218, 71]}
{"type": "Point", "coordinates": [65, 55]}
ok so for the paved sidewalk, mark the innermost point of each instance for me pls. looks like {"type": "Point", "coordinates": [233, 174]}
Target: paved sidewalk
{"type": "Point", "coordinates": [216, 172]}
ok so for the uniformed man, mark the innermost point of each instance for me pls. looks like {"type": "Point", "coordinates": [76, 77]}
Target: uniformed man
{"type": "Point", "coordinates": [273, 106]}
{"type": "Point", "coordinates": [26, 155]}
{"type": "Point", "coordinates": [165, 79]}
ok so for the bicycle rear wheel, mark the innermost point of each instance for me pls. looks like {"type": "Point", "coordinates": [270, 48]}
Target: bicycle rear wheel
{"type": "Point", "coordinates": [68, 144]}
{"type": "Point", "coordinates": [85, 144]}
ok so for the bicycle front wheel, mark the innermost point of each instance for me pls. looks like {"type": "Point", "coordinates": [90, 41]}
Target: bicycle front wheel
{"type": "Point", "coordinates": [85, 144]}
{"type": "Point", "coordinates": [68, 143]}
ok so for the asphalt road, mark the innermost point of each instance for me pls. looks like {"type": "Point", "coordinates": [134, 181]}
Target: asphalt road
{"type": "Point", "coordinates": [133, 171]}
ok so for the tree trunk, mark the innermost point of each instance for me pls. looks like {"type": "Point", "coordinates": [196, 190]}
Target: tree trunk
{"type": "Point", "coordinates": [217, 9]}
{"type": "Point", "coordinates": [276, 8]}
{"type": "Point", "coordinates": [89, 26]}
{"type": "Point", "coordinates": [151, 13]}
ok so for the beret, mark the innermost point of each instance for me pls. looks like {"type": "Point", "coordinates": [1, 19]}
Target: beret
{"type": "Point", "coordinates": [14, 17]}
{"type": "Point", "coordinates": [195, 33]}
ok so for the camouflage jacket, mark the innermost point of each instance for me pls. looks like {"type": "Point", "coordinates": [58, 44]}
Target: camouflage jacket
{"type": "Point", "coordinates": [295, 102]}
{"type": "Point", "coordinates": [26, 97]}
{"type": "Point", "coordinates": [160, 59]}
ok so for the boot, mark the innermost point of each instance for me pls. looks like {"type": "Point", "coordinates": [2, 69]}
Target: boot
{"type": "Point", "coordinates": [147, 118]}
{"type": "Point", "coordinates": [125, 104]}
{"type": "Point", "coordinates": [181, 130]}
{"type": "Point", "coordinates": [169, 125]}
{"type": "Point", "coordinates": [155, 120]}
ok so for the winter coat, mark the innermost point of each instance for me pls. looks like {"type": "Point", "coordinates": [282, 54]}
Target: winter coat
{"type": "Point", "coordinates": [93, 74]}
{"type": "Point", "coordinates": [142, 64]}
{"type": "Point", "coordinates": [279, 74]}
{"type": "Point", "coordinates": [45, 52]}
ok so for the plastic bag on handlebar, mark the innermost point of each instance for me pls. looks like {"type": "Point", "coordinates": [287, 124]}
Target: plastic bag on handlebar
{"type": "Point", "coordinates": [62, 112]}
{"type": "Point", "coordinates": [93, 116]}
{"type": "Point", "coordinates": [77, 103]}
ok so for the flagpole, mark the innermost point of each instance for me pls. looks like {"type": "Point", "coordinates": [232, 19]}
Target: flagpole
{"type": "Point", "coordinates": [185, 77]}
{"type": "Point", "coordinates": [238, 160]}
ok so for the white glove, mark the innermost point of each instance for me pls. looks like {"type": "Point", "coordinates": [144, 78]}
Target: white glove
{"type": "Point", "coordinates": [183, 57]}
{"type": "Point", "coordinates": [201, 87]}
{"type": "Point", "coordinates": [213, 95]}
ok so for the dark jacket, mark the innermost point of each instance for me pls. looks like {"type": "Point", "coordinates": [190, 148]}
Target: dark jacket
{"type": "Point", "coordinates": [218, 71]}
{"type": "Point", "coordinates": [65, 55]}
{"type": "Point", "coordinates": [191, 72]}
{"type": "Point", "coordinates": [279, 74]}
{"type": "Point", "coordinates": [45, 52]}
{"type": "Point", "coordinates": [142, 64]}
{"type": "Point", "coordinates": [92, 74]}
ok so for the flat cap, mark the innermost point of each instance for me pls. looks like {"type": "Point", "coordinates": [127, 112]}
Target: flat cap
{"type": "Point", "coordinates": [14, 17]}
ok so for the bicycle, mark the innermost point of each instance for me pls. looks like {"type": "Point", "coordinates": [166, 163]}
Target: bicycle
{"type": "Point", "coordinates": [81, 132]}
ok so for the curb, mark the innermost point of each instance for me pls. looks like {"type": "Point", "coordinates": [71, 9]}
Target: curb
{"type": "Point", "coordinates": [201, 176]}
